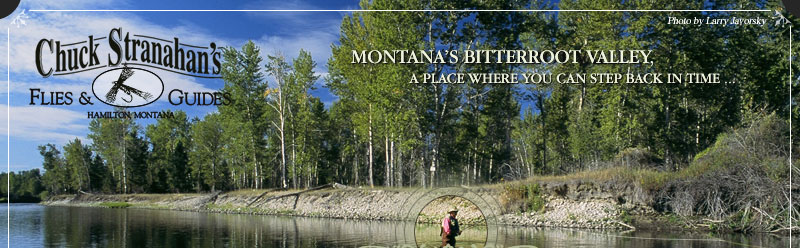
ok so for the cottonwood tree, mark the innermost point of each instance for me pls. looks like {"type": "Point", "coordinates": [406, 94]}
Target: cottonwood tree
{"type": "Point", "coordinates": [78, 160]}
{"type": "Point", "coordinates": [244, 82]}
{"type": "Point", "coordinates": [111, 138]}
{"type": "Point", "coordinates": [206, 155]}
{"type": "Point", "coordinates": [56, 177]}
{"type": "Point", "coordinates": [169, 138]}
{"type": "Point", "coordinates": [277, 99]}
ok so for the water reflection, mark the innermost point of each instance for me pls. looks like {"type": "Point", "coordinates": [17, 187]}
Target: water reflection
{"type": "Point", "coordinates": [428, 234]}
{"type": "Point", "coordinates": [560, 237]}
{"type": "Point", "coordinates": [74, 226]}
{"type": "Point", "coordinates": [37, 226]}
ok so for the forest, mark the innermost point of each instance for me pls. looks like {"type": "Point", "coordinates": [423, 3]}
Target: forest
{"type": "Point", "coordinates": [382, 131]}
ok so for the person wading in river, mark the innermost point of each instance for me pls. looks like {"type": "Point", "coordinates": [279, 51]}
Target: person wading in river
{"type": "Point", "coordinates": [450, 228]}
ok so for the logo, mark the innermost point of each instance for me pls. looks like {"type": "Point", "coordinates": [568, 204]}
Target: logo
{"type": "Point", "coordinates": [125, 83]}
{"type": "Point", "coordinates": [123, 87]}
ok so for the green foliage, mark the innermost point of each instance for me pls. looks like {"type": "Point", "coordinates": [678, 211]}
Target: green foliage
{"type": "Point", "coordinates": [55, 179]}
{"type": "Point", "coordinates": [111, 139]}
{"type": "Point", "coordinates": [43, 195]}
{"type": "Point", "coordinates": [206, 156]}
{"type": "Point", "coordinates": [535, 201]}
{"type": "Point", "coordinates": [26, 186]}
{"type": "Point", "coordinates": [167, 167]}
{"type": "Point", "coordinates": [523, 197]}
{"type": "Point", "coordinates": [301, 117]}
{"type": "Point", "coordinates": [382, 131]}
{"type": "Point", "coordinates": [637, 157]}
{"type": "Point", "coordinates": [244, 82]}
{"type": "Point", "coordinates": [741, 221]}
{"type": "Point", "coordinates": [78, 161]}
{"type": "Point", "coordinates": [673, 219]}
{"type": "Point", "coordinates": [513, 197]}
{"type": "Point", "coordinates": [625, 217]}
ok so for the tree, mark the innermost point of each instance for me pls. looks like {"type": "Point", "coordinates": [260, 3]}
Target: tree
{"type": "Point", "coordinates": [291, 102]}
{"type": "Point", "coordinates": [244, 82]}
{"type": "Point", "coordinates": [138, 154]}
{"type": "Point", "coordinates": [205, 157]}
{"type": "Point", "coordinates": [26, 186]}
{"type": "Point", "coordinates": [78, 158]}
{"type": "Point", "coordinates": [277, 99]}
{"type": "Point", "coordinates": [100, 176]}
{"type": "Point", "coordinates": [378, 93]}
{"type": "Point", "coordinates": [111, 139]}
{"type": "Point", "coordinates": [382, 130]}
{"type": "Point", "coordinates": [307, 117]}
{"type": "Point", "coordinates": [169, 137]}
{"type": "Point", "coordinates": [56, 177]}
{"type": "Point", "coordinates": [345, 146]}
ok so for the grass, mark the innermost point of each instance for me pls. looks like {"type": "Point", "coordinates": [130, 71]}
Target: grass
{"type": "Point", "coordinates": [277, 192]}
{"type": "Point", "coordinates": [649, 179]}
{"type": "Point", "coordinates": [115, 204]}
{"type": "Point", "coordinates": [226, 206]}
{"type": "Point", "coordinates": [249, 192]}
{"type": "Point", "coordinates": [728, 150]}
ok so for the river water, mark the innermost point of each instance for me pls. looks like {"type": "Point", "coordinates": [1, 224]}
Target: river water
{"type": "Point", "coordinates": [34, 225]}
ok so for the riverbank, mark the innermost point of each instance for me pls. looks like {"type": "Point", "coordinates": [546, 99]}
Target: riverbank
{"type": "Point", "coordinates": [571, 204]}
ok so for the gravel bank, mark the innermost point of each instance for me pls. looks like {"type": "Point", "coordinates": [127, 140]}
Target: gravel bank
{"type": "Point", "coordinates": [564, 205]}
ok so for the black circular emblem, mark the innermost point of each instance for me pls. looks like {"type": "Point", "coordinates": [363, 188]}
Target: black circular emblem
{"type": "Point", "coordinates": [7, 7]}
{"type": "Point", "coordinates": [793, 6]}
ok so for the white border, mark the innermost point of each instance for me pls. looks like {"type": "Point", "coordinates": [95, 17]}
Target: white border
{"type": "Point", "coordinates": [8, 165]}
{"type": "Point", "coordinates": [791, 167]}
{"type": "Point", "coordinates": [396, 10]}
{"type": "Point", "coordinates": [8, 136]}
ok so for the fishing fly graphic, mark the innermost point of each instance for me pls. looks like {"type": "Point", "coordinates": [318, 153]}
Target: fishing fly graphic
{"type": "Point", "coordinates": [119, 85]}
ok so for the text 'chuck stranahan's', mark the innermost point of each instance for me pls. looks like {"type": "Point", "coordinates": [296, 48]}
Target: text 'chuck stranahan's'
{"type": "Point", "coordinates": [54, 58]}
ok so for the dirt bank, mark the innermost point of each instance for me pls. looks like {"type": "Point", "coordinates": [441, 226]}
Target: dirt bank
{"type": "Point", "coordinates": [574, 204]}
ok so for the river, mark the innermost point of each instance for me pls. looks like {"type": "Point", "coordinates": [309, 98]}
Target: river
{"type": "Point", "coordinates": [33, 225]}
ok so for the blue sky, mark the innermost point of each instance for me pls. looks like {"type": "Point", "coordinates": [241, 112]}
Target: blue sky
{"type": "Point", "coordinates": [31, 126]}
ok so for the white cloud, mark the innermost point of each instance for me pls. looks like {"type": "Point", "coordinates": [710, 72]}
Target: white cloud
{"type": "Point", "coordinates": [43, 124]}
{"type": "Point", "coordinates": [311, 31]}
{"type": "Point", "coordinates": [51, 25]}
{"type": "Point", "coordinates": [294, 20]}
{"type": "Point", "coordinates": [25, 86]}
{"type": "Point", "coordinates": [318, 43]}
{"type": "Point", "coordinates": [58, 125]}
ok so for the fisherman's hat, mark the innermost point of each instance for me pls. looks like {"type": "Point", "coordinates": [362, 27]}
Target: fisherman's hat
{"type": "Point", "coordinates": [453, 209]}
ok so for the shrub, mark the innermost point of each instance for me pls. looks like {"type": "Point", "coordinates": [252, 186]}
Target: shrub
{"type": "Point", "coordinates": [742, 172]}
{"type": "Point", "coordinates": [513, 198]}
{"type": "Point", "coordinates": [637, 158]}
{"type": "Point", "coordinates": [44, 195]}
{"type": "Point", "coordinates": [535, 202]}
